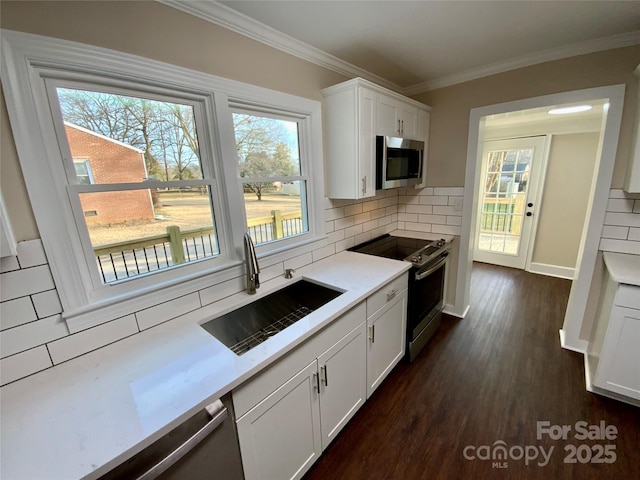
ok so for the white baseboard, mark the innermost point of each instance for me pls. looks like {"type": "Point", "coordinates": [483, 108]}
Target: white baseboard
{"type": "Point", "coordinates": [576, 345]}
{"type": "Point", "coordinates": [552, 270]}
{"type": "Point", "coordinates": [450, 310]}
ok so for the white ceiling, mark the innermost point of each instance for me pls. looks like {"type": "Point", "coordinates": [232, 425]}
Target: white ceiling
{"type": "Point", "coordinates": [414, 46]}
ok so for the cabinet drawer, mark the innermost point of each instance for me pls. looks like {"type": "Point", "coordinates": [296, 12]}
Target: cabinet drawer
{"type": "Point", "coordinates": [388, 293]}
{"type": "Point", "coordinates": [628, 296]}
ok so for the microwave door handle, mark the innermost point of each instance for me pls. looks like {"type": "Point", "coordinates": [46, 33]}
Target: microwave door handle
{"type": "Point", "coordinates": [425, 273]}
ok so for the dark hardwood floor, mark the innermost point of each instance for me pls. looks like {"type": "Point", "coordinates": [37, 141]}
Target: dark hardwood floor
{"type": "Point", "coordinates": [489, 377]}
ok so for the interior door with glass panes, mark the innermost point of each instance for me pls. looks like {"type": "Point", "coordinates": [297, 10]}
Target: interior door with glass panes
{"type": "Point", "coordinates": [507, 204]}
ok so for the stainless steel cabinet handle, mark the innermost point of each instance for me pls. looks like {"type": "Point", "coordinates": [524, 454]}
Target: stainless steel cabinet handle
{"type": "Point", "coordinates": [392, 294]}
{"type": "Point", "coordinates": [316, 383]}
{"type": "Point", "coordinates": [399, 129]}
{"type": "Point", "coordinates": [372, 333]}
{"type": "Point", "coordinates": [402, 129]}
{"type": "Point", "coordinates": [364, 184]}
{"type": "Point", "coordinates": [186, 447]}
{"type": "Point", "coordinates": [323, 369]}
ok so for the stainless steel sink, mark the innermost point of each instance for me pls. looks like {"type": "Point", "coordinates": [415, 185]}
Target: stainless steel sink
{"type": "Point", "coordinates": [256, 322]}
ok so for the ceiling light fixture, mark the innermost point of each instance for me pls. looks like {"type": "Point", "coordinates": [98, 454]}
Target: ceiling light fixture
{"type": "Point", "coordinates": [574, 109]}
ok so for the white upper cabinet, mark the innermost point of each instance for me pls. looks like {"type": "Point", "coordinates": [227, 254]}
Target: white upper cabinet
{"type": "Point", "coordinates": [395, 118]}
{"type": "Point", "coordinates": [354, 113]}
{"type": "Point", "coordinates": [632, 180]}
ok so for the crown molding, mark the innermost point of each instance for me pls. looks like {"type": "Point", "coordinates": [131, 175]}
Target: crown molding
{"type": "Point", "coordinates": [582, 48]}
{"type": "Point", "coordinates": [235, 21]}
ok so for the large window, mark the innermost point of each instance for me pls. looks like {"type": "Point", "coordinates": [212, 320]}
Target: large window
{"type": "Point", "coordinates": [144, 176]}
{"type": "Point", "coordinates": [273, 180]}
{"type": "Point", "coordinates": [138, 178]}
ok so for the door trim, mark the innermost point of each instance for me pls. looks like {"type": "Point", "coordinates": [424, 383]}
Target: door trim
{"type": "Point", "coordinates": [579, 294]}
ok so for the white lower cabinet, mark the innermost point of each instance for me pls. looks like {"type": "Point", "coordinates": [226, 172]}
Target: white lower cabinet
{"type": "Point", "coordinates": [613, 360]}
{"type": "Point", "coordinates": [386, 331]}
{"type": "Point", "coordinates": [280, 438]}
{"type": "Point", "coordinates": [285, 433]}
{"type": "Point", "coordinates": [290, 412]}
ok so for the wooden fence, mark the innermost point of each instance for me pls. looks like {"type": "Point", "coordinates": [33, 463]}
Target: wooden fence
{"type": "Point", "coordinates": [120, 260]}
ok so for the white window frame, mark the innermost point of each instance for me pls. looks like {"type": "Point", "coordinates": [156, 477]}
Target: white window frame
{"type": "Point", "coordinates": [26, 58]}
{"type": "Point", "coordinates": [304, 175]}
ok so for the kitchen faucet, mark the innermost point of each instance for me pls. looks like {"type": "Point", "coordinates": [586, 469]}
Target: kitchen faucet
{"type": "Point", "coordinates": [251, 263]}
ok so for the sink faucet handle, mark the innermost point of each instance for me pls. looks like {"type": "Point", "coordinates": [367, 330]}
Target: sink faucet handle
{"type": "Point", "coordinates": [288, 273]}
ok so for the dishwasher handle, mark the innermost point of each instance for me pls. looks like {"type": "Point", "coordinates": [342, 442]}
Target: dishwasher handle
{"type": "Point", "coordinates": [219, 414]}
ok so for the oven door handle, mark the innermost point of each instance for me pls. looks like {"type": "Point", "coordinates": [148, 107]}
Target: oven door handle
{"type": "Point", "coordinates": [425, 273]}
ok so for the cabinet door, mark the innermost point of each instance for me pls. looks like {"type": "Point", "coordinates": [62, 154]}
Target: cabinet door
{"type": "Point", "coordinates": [408, 115]}
{"type": "Point", "coordinates": [619, 366]}
{"type": "Point", "coordinates": [387, 116]}
{"type": "Point", "coordinates": [386, 340]}
{"type": "Point", "coordinates": [342, 382]}
{"type": "Point", "coordinates": [280, 437]}
{"type": "Point", "coordinates": [366, 143]}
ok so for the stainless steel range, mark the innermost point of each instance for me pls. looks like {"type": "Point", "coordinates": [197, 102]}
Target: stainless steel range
{"type": "Point", "coordinates": [426, 282]}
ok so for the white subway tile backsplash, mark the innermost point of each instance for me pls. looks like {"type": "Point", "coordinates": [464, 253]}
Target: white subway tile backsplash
{"type": "Point", "coordinates": [439, 219]}
{"type": "Point", "coordinates": [16, 312]}
{"type": "Point", "coordinates": [344, 222]}
{"type": "Point", "coordinates": [407, 217]}
{"type": "Point", "coordinates": [446, 229]}
{"type": "Point", "coordinates": [454, 220]}
{"type": "Point", "coordinates": [446, 210]}
{"type": "Point", "coordinates": [334, 213]}
{"type": "Point", "coordinates": [299, 261]}
{"type": "Point", "coordinates": [323, 252]}
{"type": "Point", "coordinates": [353, 209]}
{"type": "Point", "coordinates": [634, 234]}
{"type": "Point", "coordinates": [345, 244]}
{"type": "Point", "coordinates": [335, 236]}
{"type": "Point", "coordinates": [166, 311]}
{"type": "Point", "coordinates": [329, 226]}
{"type": "Point", "coordinates": [24, 364]}
{"type": "Point", "coordinates": [362, 217]}
{"type": "Point", "coordinates": [351, 232]}
{"type": "Point", "coordinates": [33, 334]}
{"type": "Point", "coordinates": [8, 264]}
{"type": "Point", "coordinates": [622, 219]}
{"type": "Point", "coordinates": [423, 209]}
{"type": "Point", "coordinates": [620, 246]}
{"type": "Point", "coordinates": [624, 205]}
{"type": "Point", "coordinates": [417, 227]}
{"type": "Point", "coordinates": [434, 200]}
{"type": "Point", "coordinates": [611, 231]}
{"type": "Point", "coordinates": [636, 206]}
{"type": "Point", "coordinates": [92, 339]}
{"type": "Point", "coordinates": [369, 206]}
{"type": "Point", "coordinates": [221, 290]}
{"type": "Point", "coordinates": [446, 191]}
{"type": "Point", "coordinates": [617, 193]}
{"type": "Point", "coordinates": [31, 254]}
{"type": "Point", "coordinates": [21, 283]}
{"type": "Point", "coordinates": [47, 303]}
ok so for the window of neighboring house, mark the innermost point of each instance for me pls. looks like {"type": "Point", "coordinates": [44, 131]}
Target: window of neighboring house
{"type": "Point", "coordinates": [145, 184]}
{"type": "Point", "coordinates": [273, 174]}
{"type": "Point", "coordinates": [83, 171]}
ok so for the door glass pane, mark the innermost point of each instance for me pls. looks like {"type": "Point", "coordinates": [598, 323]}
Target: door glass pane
{"type": "Point", "coordinates": [504, 200]}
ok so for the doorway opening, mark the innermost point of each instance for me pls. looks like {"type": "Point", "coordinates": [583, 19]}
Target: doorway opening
{"type": "Point", "coordinates": [595, 211]}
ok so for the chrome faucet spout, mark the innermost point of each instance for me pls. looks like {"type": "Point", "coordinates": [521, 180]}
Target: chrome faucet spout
{"type": "Point", "coordinates": [251, 264]}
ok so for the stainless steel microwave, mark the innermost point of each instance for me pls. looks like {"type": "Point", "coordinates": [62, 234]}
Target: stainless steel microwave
{"type": "Point", "coordinates": [399, 162]}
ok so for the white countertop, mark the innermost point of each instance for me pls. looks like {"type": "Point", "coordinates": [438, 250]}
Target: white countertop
{"type": "Point", "coordinates": [84, 417]}
{"type": "Point", "coordinates": [623, 267]}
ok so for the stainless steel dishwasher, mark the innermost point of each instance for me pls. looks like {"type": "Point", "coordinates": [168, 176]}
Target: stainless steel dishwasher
{"type": "Point", "coordinates": [203, 447]}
